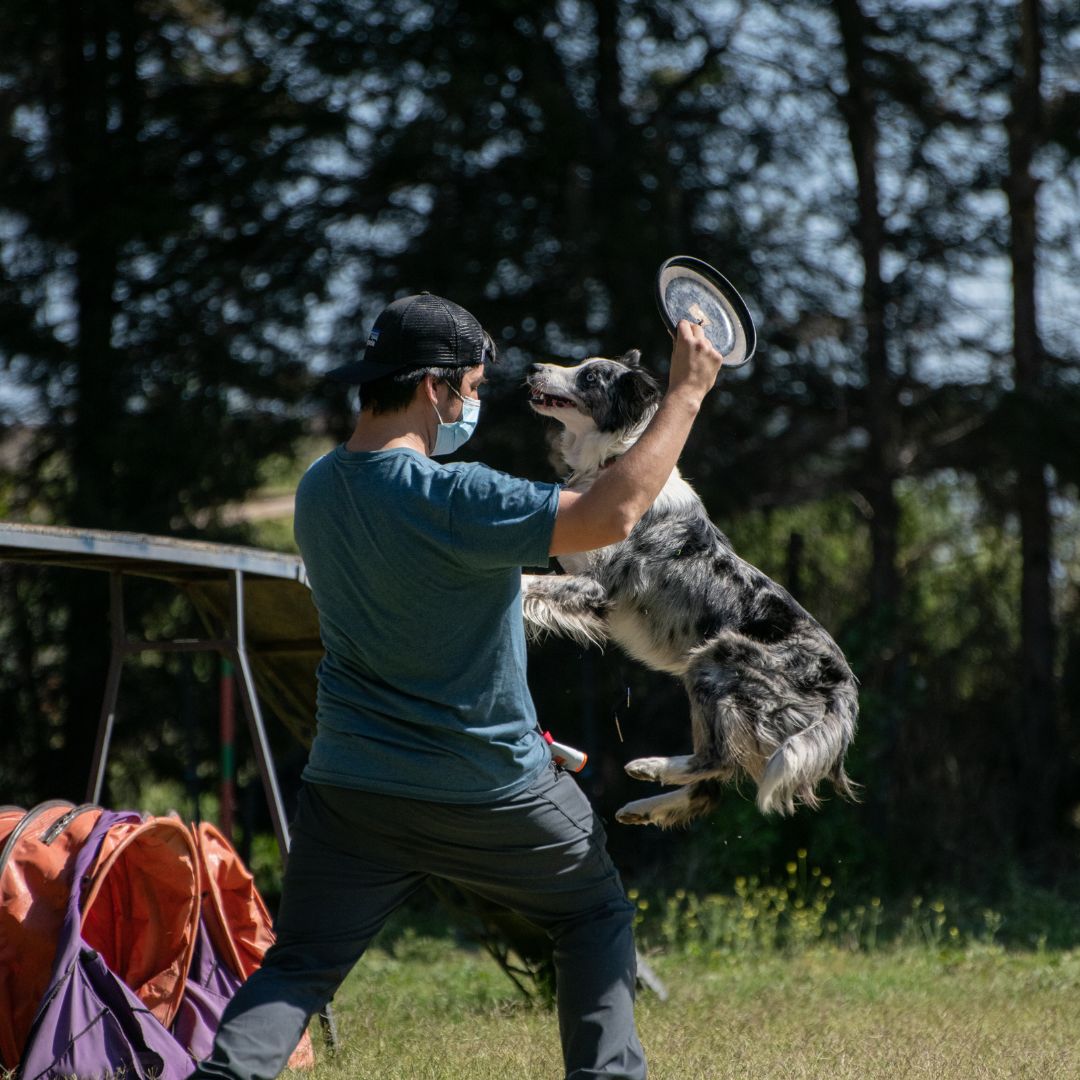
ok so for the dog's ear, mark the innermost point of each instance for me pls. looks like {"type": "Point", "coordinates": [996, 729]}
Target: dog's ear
{"type": "Point", "coordinates": [631, 358]}
{"type": "Point", "coordinates": [635, 391]}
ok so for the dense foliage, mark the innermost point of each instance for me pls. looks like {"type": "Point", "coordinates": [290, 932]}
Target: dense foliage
{"type": "Point", "coordinates": [204, 204]}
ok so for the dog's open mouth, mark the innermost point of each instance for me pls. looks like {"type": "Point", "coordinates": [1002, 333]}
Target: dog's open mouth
{"type": "Point", "coordinates": [550, 401]}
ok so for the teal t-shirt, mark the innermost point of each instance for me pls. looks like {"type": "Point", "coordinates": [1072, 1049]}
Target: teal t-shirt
{"type": "Point", "coordinates": [415, 569]}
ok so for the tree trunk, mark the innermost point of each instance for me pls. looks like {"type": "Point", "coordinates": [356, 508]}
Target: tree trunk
{"type": "Point", "coordinates": [610, 191]}
{"type": "Point", "coordinates": [93, 202]}
{"type": "Point", "coordinates": [1037, 736]}
{"type": "Point", "coordinates": [860, 113]}
{"type": "Point", "coordinates": [882, 668]}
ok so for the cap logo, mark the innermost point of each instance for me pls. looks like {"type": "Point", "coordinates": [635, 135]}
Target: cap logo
{"type": "Point", "coordinates": [372, 338]}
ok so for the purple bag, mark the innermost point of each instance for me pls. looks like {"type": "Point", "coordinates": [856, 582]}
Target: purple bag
{"type": "Point", "coordinates": [209, 988]}
{"type": "Point", "coordinates": [90, 1024]}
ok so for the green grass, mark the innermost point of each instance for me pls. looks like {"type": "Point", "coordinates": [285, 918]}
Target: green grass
{"type": "Point", "coordinates": [775, 980]}
{"type": "Point", "coordinates": [422, 1007]}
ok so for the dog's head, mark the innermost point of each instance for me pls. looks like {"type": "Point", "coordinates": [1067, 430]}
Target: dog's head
{"type": "Point", "coordinates": [608, 396]}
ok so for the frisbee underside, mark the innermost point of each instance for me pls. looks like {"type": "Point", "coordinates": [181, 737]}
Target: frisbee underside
{"type": "Point", "coordinates": [683, 292]}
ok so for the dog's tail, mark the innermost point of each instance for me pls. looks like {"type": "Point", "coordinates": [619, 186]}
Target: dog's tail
{"type": "Point", "coordinates": [813, 754]}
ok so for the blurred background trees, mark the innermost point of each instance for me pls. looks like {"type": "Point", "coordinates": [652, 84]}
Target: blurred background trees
{"type": "Point", "coordinates": [205, 204]}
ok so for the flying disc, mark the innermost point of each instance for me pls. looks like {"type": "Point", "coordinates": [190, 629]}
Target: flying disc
{"type": "Point", "coordinates": [687, 288]}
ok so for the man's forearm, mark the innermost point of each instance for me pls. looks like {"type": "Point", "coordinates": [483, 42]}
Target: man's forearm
{"type": "Point", "coordinates": [630, 485]}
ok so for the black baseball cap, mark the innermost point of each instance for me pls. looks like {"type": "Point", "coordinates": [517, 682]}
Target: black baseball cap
{"type": "Point", "coordinates": [418, 331]}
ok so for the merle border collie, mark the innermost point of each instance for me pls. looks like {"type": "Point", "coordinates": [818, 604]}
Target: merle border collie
{"type": "Point", "coordinates": [771, 696]}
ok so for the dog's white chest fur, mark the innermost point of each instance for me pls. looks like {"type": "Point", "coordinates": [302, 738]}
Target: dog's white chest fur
{"type": "Point", "coordinates": [629, 627]}
{"type": "Point", "coordinates": [630, 630]}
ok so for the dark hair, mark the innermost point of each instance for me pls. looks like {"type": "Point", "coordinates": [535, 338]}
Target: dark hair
{"type": "Point", "coordinates": [394, 392]}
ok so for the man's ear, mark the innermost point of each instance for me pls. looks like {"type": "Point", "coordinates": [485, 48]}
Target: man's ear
{"type": "Point", "coordinates": [427, 387]}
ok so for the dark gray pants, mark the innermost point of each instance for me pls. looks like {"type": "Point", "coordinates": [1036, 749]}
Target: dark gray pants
{"type": "Point", "coordinates": [356, 856]}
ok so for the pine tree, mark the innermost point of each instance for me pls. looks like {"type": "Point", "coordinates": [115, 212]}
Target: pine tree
{"type": "Point", "coordinates": [163, 248]}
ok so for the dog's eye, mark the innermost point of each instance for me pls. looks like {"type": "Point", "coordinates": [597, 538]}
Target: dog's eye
{"type": "Point", "coordinates": [590, 377]}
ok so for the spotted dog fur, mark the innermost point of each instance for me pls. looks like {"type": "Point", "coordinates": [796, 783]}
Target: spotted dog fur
{"type": "Point", "coordinates": [771, 695]}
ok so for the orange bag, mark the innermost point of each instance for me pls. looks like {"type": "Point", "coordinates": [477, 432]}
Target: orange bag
{"type": "Point", "coordinates": [10, 816]}
{"type": "Point", "coordinates": [236, 917]}
{"type": "Point", "coordinates": [141, 909]}
{"type": "Point", "coordinates": [36, 864]}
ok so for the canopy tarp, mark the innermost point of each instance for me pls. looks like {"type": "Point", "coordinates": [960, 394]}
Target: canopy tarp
{"type": "Point", "coordinates": [280, 622]}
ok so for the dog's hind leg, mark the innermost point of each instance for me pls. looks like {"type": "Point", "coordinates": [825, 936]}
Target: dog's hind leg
{"type": "Point", "coordinates": [752, 714]}
{"type": "Point", "coordinates": [673, 807]}
{"type": "Point", "coordinates": [710, 690]}
{"type": "Point", "coordinates": [663, 770]}
{"type": "Point", "coordinates": [568, 604]}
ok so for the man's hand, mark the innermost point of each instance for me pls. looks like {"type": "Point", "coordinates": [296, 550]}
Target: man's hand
{"type": "Point", "coordinates": [695, 363]}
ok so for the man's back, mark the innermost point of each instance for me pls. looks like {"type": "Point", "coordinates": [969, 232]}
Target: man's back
{"type": "Point", "coordinates": [415, 571]}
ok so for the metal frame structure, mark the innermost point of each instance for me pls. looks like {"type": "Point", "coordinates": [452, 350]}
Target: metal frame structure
{"type": "Point", "coordinates": [233, 646]}
{"type": "Point", "coordinates": [178, 562]}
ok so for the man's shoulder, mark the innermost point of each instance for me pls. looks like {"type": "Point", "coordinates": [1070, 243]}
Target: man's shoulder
{"type": "Point", "coordinates": [473, 472]}
{"type": "Point", "coordinates": [463, 487]}
{"type": "Point", "coordinates": [314, 474]}
{"type": "Point", "coordinates": [473, 479]}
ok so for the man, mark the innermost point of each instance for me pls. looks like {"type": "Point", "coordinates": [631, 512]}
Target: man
{"type": "Point", "coordinates": [428, 759]}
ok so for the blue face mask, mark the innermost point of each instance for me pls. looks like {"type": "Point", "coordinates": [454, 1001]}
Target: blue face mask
{"type": "Point", "coordinates": [448, 437]}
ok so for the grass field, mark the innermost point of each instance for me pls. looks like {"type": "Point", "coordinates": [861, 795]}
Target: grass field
{"type": "Point", "coordinates": [424, 1008]}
